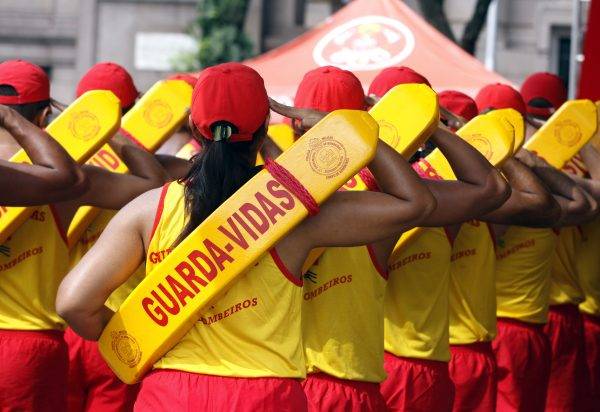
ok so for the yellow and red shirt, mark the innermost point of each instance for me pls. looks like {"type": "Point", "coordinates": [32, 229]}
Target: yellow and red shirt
{"type": "Point", "coordinates": [523, 263]}
{"type": "Point", "coordinates": [253, 330]}
{"type": "Point", "coordinates": [342, 315]}
{"type": "Point", "coordinates": [564, 278]}
{"type": "Point", "coordinates": [33, 262]}
{"type": "Point", "coordinates": [416, 299]}
{"type": "Point", "coordinates": [473, 285]}
{"type": "Point", "coordinates": [588, 265]}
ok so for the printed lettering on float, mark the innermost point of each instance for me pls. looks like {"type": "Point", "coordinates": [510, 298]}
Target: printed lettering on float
{"type": "Point", "coordinates": [235, 234]}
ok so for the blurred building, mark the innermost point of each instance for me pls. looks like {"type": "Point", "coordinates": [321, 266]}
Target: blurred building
{"type": "Point", "coordinates": [67, 36]}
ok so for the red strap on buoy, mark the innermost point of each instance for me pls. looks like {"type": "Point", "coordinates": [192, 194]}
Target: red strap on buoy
{"type": "Point", "coordinates": [131, 137]}
{"type": "Point", "coordinates": [287, 180]}
{"type": "Point", "coordinates": [369, 180]}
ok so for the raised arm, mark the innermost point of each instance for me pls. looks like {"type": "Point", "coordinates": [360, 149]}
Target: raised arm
{"type": "Point", "coordinates": [53, 176]}
{"type": "Point", "coordinates": [591, 159]}
{"type": "Point", "coordinates": [479, 187]}
{"type": "Point", "coordinates": [530, 203]}
{"type": "Point", "coordinates": [359, 218]}
{"type": "Point", "coordinates": [114, 190]}
{"type": "Point", "coordinates": [83, 292]}
{"type": "Point", "coordinates": [576, 205]}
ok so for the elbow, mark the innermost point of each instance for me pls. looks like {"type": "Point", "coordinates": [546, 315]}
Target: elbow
{"type": "Point", "coordinates": [73, 182]}
{"type": "Point", "coordinates": [496, 191]}
{"type": "Point", "coordinates": [423, 207]}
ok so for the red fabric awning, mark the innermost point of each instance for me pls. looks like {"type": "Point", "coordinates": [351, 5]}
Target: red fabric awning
{"type": "Point", "coordinates": [365, 37]}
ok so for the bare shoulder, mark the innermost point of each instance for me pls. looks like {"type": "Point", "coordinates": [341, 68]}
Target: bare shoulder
{"type": "Point", "coordinates": [139, 214]}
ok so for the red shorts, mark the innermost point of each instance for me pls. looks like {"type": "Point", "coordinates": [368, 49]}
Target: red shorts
{"type": "Point", "coordinates": [173, 390]}
{"type": "Point", "coordinates": [33, 371]}
{"type": "Point", "coordinates": [473, 371]}
{"type": "Point", "coordinates": [326, 393]}
{"type": "Point", "coordinates": [568, 389]}
{"type": "Point", "coordinates": [93, 386]}
{"type": "Point", "coordinates": [591, 325]}
{"type": "Point", "coordinates": [417, 384]}
{"type": "Point", "coordinates": [523, 358]}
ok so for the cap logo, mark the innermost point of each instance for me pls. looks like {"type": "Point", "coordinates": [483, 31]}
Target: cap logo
{"type": "Point", "coordinates": [365, 43]}
{"type": "Point", "coordinates": [326, 156]}
{"type": "Point", "coordinates": [126, 348]}
{"type": "Point", "coordinates": [482, 144]}
{"type": "Point", "coordinates": [389, 133]}
{"type": "Point", "coordinates": [567, 132]}
{"type": "Point", "coordinates": [158, 113]}
{"type": "Point", "coordinates": [84, 125]}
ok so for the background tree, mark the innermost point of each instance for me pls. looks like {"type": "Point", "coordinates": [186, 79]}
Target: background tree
{"type": "Point", "coordinates": [433, 11]}
{"type": "Point", "coordinates": [219, 31]}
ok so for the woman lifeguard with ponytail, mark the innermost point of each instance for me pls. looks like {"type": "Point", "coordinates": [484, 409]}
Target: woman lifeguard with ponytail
{"type": "Point", "coordinates": [245, 352]}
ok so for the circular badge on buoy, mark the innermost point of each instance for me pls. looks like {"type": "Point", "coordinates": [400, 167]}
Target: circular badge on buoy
{"type": "Point", "coordinates": [567, 132]}
{"type": "Point", "coordinates": [84, 125]}
{"type": "Point", "coordinates": [126, 348]}
{"type": "Point", "coordinates": [365, 43]}
{"type": "Point", "coordinates": [158, 113]}
{"type": "Point", "coordinates": [327, 156]}
{"type": "Point", "coordinates": [389, 133]}
{"type": "Point", "coordinates": [482, 144]}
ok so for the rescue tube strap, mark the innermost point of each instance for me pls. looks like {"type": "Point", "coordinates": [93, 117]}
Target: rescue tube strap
{"type": "Point", "coordinates": [287, 180]}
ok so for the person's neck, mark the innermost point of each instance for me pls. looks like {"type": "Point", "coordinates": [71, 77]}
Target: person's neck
{"type": "Point", "coordinates": [8, 145]}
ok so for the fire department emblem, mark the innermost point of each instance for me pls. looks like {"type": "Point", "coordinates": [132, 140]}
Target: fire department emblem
{"type": "Point", "coordinates": [365, 43]}
{"type": "Point", "coordinates": [84, 125]}
{"type": "Point", "coordinates": [327, 156]}
{"type": "Point", "coordinates": [126, 348]}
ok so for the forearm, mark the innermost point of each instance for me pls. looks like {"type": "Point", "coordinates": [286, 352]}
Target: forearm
{"type": "Point", "coordinates": [591, 159]}
{"type": "Point", "coordinates": [176, 167]}
{"type": "Point", "coordinates": [139, 161]}
{"type": "Point", "coordinates": [394, 175]}
{"type": "Point", "coordinates": [467, 163]}
{"type": "Point", "coordinates": [57, 167]}
{"type": "Point", "coordinates": [522, 178]}
{"type": "Point", "coordinates": [269, 149]}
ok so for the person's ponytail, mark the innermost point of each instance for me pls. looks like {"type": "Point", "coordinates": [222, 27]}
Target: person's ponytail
{"type": "Point", "coordinates": [217, 172]}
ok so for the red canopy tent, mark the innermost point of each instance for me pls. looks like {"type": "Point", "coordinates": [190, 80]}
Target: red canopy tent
{"type": "Point", "coordinates": [365, 37]}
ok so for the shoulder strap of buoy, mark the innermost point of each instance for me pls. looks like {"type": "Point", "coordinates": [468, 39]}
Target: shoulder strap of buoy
{"type": "Point", "coordinates": [81, 129]}
{"type": "Point", "coordinates": [320, 162]}
{"type": "Point", "coordinates": [154, 118]}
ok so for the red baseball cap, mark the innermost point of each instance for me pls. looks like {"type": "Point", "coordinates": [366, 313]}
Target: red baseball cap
{"type": "Point", "coordinates": [458, 103]}
{"type": "Point", "coordinates": [393, 76]}
{"type": "Point", "coordinates": [546, 86]}
{"type": "Point", "coordinates": [500, 96]}
{"type": "Point", "coordinates": [329, 88]}
{"type": "Point", "coordinates": [30, 82]}
{"type": "Point", "coordinates": [109, 76]}
{"type": "Point", "coordinates": [188, 78]}
{"type": "Point", "coordinates": [230, 92]}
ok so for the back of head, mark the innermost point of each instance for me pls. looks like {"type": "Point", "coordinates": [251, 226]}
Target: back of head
{"type": "Point", "coordinates": [499, 96]}
{"type": "Point", "coordinates": [25, 87]}
{"type": "Point", "coordinates": [543, 93]}
{"type": "Point", "coordinates": [113, 77]}
{"type": "Point", "coordinates": [330, 88]}
{"type": "Point", "coordinates": [229, 112]}
{"type": "Point", "coordinates": [392, 77]}
{"type": "Point", "coordinates": [458, 103]}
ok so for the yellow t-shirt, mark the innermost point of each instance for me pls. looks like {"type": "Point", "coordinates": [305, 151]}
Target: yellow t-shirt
{"type": "Point", "coordinates": [342, 315]}
{"type": "Point", "coordinates": [564, 278]}
{"type": "Point", "coordinates": [416, 299]}
{"type": "Point", "coordinates": [253, 330]}
{"type": "Point", "coordinates": [33, 262]}
{"type": "Point", "coordinates": [89, 238]}
{"type": "Point", "coordinates": [523, 261]}
{"type": "Point", "coordinates": [588, 265]}
{"type": "Point", "coordinates": [473, 285]}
